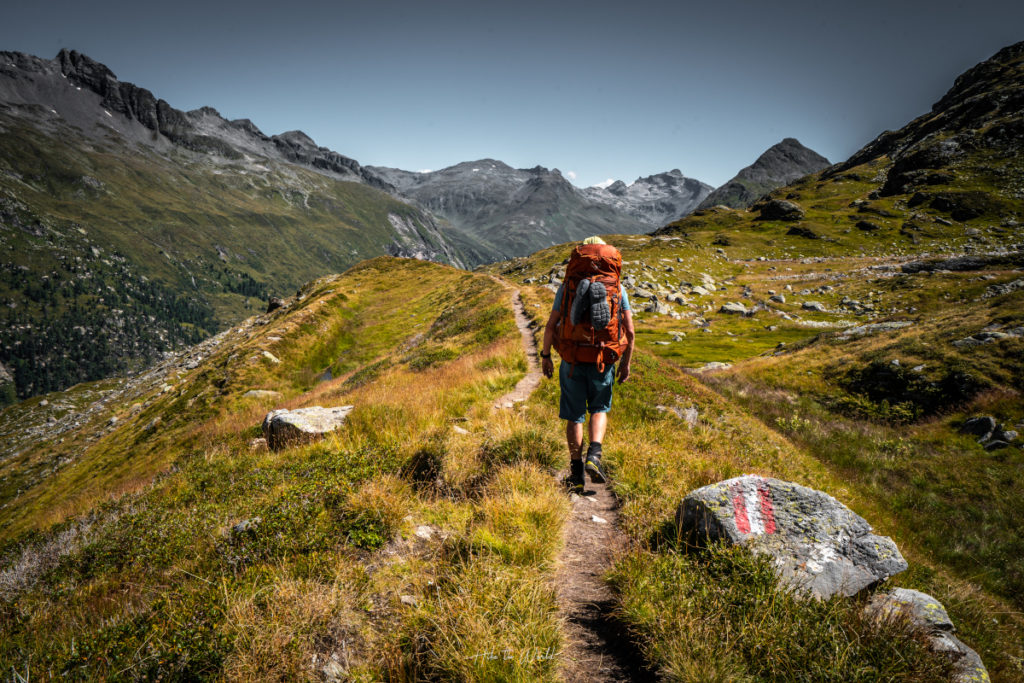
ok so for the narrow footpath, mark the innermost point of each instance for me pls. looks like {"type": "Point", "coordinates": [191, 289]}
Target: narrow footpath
{"type": "Point", "coordinates": [596, 647]}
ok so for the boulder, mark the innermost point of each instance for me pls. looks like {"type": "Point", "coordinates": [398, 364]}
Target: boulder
{"type": "Point", "coordinates": [733, 307]}
{"type": "Point", "coordinates": [777, 298]}
{"type": "Point", "coordinates": [801, 231]}
{"type": "Point", "coordinates": [927, 615]}
{"type": "Point", "coordinates": [274, 303]}
{"type": "Point", "coordinates": [820, 546]}
{"type": "Point", "coordinates": [814, 306]}
{"type": "Point", "coordinates": [262, 394]}
{"type": "Point", "coordinates": [283, 428]}
{"type": "Point", "coordinates": [981, 427]}
{"type": "Point", "coordinates": [699, 291]}
{"type": "Point", "coordinates": [780, 210]}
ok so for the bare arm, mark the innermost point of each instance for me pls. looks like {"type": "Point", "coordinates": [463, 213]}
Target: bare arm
{"type": "Point", "coordinates": [546, 364]}
{"type": "Point", "coordinates": [627, 353]}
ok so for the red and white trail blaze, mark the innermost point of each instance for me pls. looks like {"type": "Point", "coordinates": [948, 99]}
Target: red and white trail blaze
{"type": "Point", "coordinates": [752, 506]}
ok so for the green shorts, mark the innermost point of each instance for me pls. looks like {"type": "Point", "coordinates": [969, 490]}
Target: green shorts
{"type": "Point", "coordinates": [586, 391]}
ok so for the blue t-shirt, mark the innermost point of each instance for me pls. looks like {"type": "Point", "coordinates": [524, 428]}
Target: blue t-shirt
{"type": "Point", "coordinates": [561, 288]}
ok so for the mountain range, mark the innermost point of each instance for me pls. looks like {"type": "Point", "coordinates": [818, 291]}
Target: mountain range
{"type": "Point", "coordinates": [143, 227]}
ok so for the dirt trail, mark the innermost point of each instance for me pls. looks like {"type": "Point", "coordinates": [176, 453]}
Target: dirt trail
{"type": "Point", "coordinates": [596, 647]}
{"type": "Point", "coordinates": [531, 381]}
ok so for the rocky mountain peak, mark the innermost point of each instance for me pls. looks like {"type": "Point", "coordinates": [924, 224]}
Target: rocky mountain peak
{"type": "Point", "coordinates": [655, 199]}
{"type": "Point", "coordinates": [983, 110]}
{"type": "Point", "coordinates": [779, 165]}
{"type": "Point", "coordinates": [84, 70]}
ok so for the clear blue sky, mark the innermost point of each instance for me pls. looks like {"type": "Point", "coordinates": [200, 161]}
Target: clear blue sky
{"type": "Point", "coordinates": [601, 89]}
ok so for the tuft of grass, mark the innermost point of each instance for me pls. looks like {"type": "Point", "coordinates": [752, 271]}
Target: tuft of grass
{"type": "Point", "coordinates": [372, 515]}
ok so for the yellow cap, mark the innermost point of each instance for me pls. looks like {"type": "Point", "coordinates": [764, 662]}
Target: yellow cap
{"type": "Point", "coordinates": [594, 240]}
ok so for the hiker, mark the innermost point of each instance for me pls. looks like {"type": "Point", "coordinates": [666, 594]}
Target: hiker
{"type": "Point", "coordinates": [591, 327]}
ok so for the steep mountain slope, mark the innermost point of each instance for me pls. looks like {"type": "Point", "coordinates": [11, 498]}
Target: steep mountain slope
{"type": "Point", "coordinates": [654, 200]}
{"type": "Point", "coordinates": [517, 211]}
{"type": "Point", "coordinates": [780, 165]}
{"type": "Point", "coordinates": [141, 227]}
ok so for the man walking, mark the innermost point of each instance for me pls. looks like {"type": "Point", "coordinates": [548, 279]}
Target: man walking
{"type": "Point", "coordinates": [591, 327]}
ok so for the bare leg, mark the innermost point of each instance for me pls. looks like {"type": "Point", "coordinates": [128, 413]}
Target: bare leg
{"type": "Point", "coordinates": [598, 423]}
{"type": "Point", "coordinates": [574, 439]}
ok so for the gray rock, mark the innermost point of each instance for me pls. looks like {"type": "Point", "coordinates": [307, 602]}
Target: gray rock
{"type": "Point", "coordinates": [927, 615]}
{"type": "Point", "coordinates": [283, 428]}
{"type": "Point", "coordinates": [868, 226]}
{"type": "Point", "coordinates": [814, 306]}
{"type": "Point", "coordinates": [819, 545]}
{"type": "Point", "coordinates": [921, 608]}
{"type": "Point", "coordinates": [713, 365]}
{"type": "Point", "coordinates": [733, 307]}
{"type": "Point", "coordinates": [777, 298]}
{"type": "Point", "coordinates": [873, 328]}
{"type": "Point", "coordinates": [779, 210]}
{"type": "Point", "coordinates": [981, 426]}
{"type": "Point", "coordinates": [262, 393]}
{"type": "Point", "coordinates": [996, 444]}
{"type": "Point", "coordinates": [246, 526]}
{"type": "Point", "coordinates": [658, 308]}
{"type": "Point", "coordinates": [699, 291]}
{"type": "Point", "coordinates": [1005, 288]}
{"type": "Point", "coordinates": [274, 303]}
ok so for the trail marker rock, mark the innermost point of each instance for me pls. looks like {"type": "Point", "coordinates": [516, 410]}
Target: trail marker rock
{"type": "Point", "coordinates": [283, 428]}
{"type": "Point", "coordinates": [819, 544]}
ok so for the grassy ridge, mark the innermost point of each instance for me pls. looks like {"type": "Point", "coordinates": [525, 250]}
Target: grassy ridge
{"type": "Point", "coordinates": [144, 252]}
{"type": "Point", "coordinates": [166, 582]}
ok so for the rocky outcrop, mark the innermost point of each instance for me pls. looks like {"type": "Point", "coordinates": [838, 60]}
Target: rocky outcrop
{"type": "Point", "coordinates": [984, 110]}
{"type": "Point", "coordinates": [779, 165]}
{"type": "Point", "coordinates": [820, 546]}
{"type": "Point", "coordinates": [988, 432]}
{"type": "Point", "coordinates": [202, 130]}
{"type": "Point", "coordinates": [283, 428]}
{"type": "Point", "coordinates": [927, 615]}
{"type": "Point", "coordinates": [779, 210]}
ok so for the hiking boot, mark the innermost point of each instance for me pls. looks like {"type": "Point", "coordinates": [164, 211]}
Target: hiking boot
{"type": "Point", "coordinates": [574, 482]}
{"type": "Point", "coordinates": [594, 468]}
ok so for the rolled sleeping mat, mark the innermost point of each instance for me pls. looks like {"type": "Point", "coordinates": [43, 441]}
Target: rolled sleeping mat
{"type": "Point", "coordinates": [600, 314]}
{"type": "Point", "coordinates": [580, 303]}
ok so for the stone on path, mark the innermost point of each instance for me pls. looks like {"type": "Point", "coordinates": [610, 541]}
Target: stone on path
{"type": "Point", "coordinates": [283, 428]}
{"type": "Point", "coordinates": [819, 544]}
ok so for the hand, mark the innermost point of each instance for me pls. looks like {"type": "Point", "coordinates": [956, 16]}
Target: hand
{"type": "Point", "coordinates": [547, 366]}
{"type": "Point", "coordinates": [623, 372]}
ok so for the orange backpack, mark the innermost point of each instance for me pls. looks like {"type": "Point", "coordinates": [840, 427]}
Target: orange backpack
{"type": "Point", "coordinates": [579, 340]}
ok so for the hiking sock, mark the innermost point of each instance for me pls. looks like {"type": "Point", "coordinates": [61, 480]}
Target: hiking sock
{"type": "Point", "coordinates": [594, 449]}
